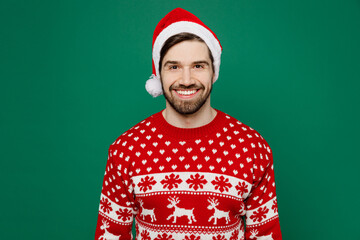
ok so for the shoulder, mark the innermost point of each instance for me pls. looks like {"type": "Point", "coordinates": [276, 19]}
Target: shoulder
{"type": "Point", "coordinates": [136, 133]}
{"type": "Point", "coordinates": [134, 136]}
{"type": "Point", "coordinates": [253, 147]}
{"type": "Point", "coordinates": [245, 134]}
{"type": "Point", "coordinates": [128, 144]}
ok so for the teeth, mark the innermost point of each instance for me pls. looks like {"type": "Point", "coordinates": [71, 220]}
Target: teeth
{"type": "Point", "coordinates": [186, 92]}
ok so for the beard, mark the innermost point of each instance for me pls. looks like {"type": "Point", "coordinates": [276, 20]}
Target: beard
{"type": "Point", "coordinates": [187, 107]}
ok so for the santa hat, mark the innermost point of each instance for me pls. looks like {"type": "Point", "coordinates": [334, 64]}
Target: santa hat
{"type": "Point", "coordinates": [178, 21]}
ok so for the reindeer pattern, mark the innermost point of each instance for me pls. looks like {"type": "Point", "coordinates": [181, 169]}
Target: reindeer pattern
{"type": "Point", "coordinates": [147, 212]}
{"type": "Point", "coordinates": [218, 214]}
{"type": "Point", "coordinates": [183, 212]}
{"type": "Point", "coordinates": [255, 232]}
{"type": "Point", "coordinates": [180, 212]}
{"type": "Point", "coordinates": [107, 235]}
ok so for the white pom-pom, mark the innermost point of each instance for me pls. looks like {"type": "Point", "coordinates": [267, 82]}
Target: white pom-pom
{"type": "Point", "coordinates": [153, 86]}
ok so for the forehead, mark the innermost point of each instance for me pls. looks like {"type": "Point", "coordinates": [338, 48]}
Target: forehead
{"type": "Point", "coordinates": [187, 51]}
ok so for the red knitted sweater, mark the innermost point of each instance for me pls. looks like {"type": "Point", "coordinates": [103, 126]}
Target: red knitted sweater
{"type": "Point", "coordinates": [189, 184]}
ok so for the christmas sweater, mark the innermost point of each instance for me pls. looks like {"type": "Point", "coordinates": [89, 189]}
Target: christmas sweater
{"type": "Point", "coordinates": [202, 183]}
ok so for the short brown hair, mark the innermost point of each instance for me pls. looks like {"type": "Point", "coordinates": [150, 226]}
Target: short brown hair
{"type": "Point", "coordinates": [178, 38]}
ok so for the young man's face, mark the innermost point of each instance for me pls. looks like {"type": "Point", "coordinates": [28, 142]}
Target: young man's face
{"type": "Point", "coordinates": [187, 76]}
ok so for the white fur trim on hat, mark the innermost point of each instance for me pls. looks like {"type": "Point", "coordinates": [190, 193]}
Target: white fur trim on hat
{"type": "Point", "coordinates": [190, 27]}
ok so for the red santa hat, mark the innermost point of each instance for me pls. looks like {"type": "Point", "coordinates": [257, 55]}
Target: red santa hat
{"type": "Point", "coordinates": [178, 21]}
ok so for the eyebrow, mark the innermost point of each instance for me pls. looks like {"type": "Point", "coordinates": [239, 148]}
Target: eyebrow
{"type": "Point", "coordinates": [196, 62]}
{"type": "Point", "coordinates": [201, 62]}
{"type": "Point", "coordinates": [171, 62]}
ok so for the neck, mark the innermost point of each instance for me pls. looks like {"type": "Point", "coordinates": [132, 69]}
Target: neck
{"type": "Point", "coordinates": [200, 118]}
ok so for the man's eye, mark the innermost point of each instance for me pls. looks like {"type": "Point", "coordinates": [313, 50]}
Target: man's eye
{"type": "Point", "coordinates": [173, 67]}
{"type": "Point", "coordinates": [198, 66]}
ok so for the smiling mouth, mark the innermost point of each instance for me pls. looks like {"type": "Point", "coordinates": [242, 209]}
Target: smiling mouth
{"type": "Point", "coordinates": [186, 92]}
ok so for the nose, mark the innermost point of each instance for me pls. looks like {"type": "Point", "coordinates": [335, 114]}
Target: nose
{"type": "Point", "coordinates": [186, 78]}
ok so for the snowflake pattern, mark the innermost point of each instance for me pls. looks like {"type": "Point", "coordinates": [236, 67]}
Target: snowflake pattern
{"type": "Point", "coordinates": [146, 183]}
{"type": "Point", "coordinates": [164, 237]}
{"type": "Point", "coordinates": [171, 181]}
{"type": "Point", "coordinates": [196, 181]}
{"type": "Point", "coordinates": [192, 237]}
{"type": "Point", "coordinates": [124, 214]}
{"type": "Point", "coordinates": [274, 207]}
{"type": "Point", "coordinates": [105, 205]}
{"type": "Point", "coordinates": [219, 237]}
{"type": "Point", "coordinates": [235, 235]}
{"type": "Point", "coordinates": [145, 235]}
{"type": "Point", "coordinates": [260, 214]}
{"type": "Point", "coordinates": [221, 183]}
{"type": "Point", "coordinates": [242, 189]}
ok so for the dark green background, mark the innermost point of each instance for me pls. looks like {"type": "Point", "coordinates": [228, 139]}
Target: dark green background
{"type": "Point", "coordinates": [72, 80]}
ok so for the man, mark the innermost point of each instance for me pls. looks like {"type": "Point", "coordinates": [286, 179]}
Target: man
{"type": "Point", "coordinates": [189, 172]}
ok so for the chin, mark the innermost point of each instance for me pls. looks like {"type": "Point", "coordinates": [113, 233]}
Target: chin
{"type": "Point", "coordinates": [187, 107]}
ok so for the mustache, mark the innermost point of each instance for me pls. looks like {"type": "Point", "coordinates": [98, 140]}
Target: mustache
{"type": "Point", "coordinates": [183, 87]}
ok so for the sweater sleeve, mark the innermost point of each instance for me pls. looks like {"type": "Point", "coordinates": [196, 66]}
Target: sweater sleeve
{"type": "Point", "coordinates": [262, 221]}
{"type": "Point", "coordinates": [116, 210]}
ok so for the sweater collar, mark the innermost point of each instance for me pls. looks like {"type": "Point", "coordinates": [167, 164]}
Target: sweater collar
{"type": "Point", "coordinates": [188, 133]}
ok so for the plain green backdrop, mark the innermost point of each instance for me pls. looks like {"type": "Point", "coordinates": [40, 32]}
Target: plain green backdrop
{"type": "Point", "coordinates": [72, 80]}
